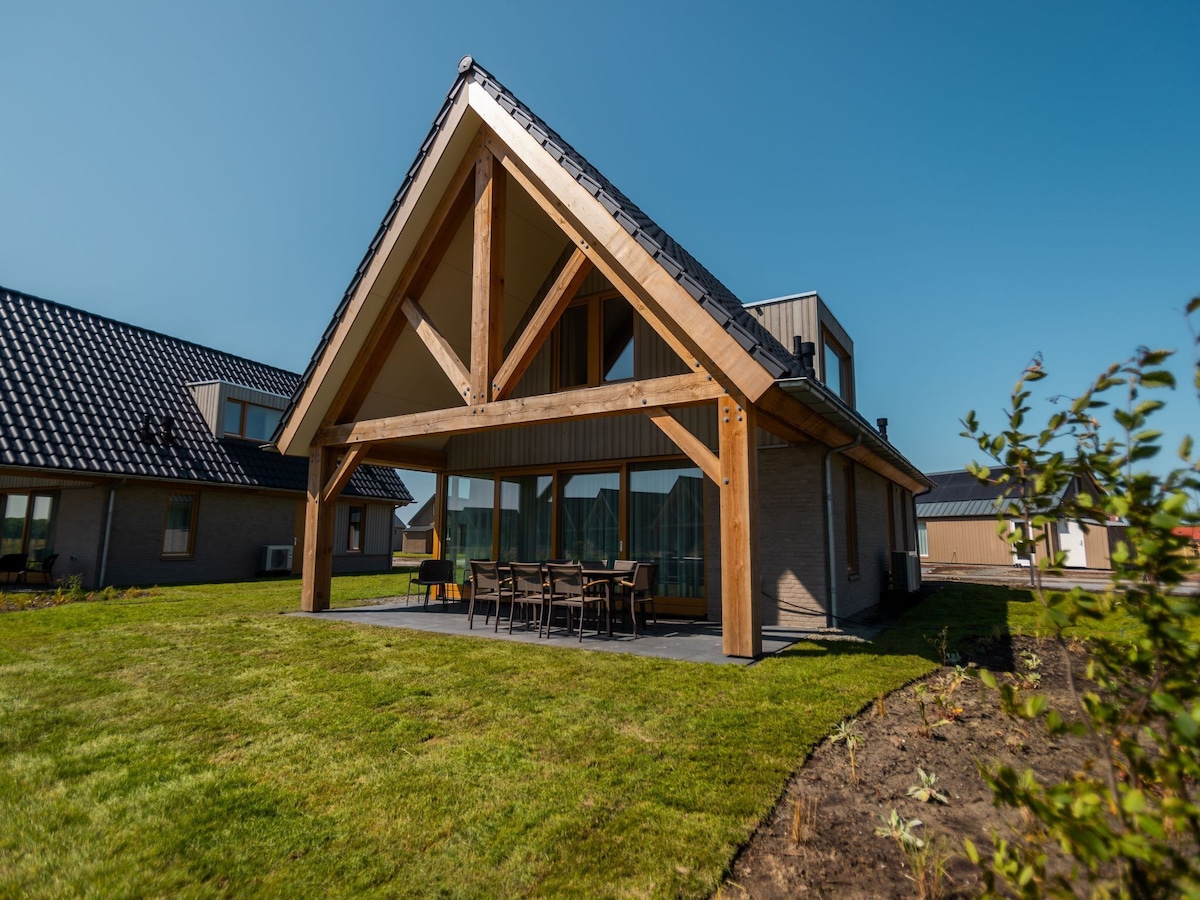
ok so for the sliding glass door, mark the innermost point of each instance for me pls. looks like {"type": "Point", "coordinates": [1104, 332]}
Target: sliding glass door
{"type": "Point", "coordinates": [470, 504]}
{"type": "Point", "coordinates": [666, 525]}
{"type": "Point", "coordinates": [589, 525]}
{"type": "Point", "coordinates": [526, 512]}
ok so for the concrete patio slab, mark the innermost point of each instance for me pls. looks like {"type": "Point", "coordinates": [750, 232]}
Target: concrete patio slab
{"type": "Point", "coordinates": [671, 639]}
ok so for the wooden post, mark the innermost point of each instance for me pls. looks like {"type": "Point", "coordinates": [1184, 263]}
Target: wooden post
{"type": "Point", "coordinates": [318, 532]}
{"type": "Point", "coordinates": [487, 276]}
{"type": "Point", "coordinates": [741, 618]}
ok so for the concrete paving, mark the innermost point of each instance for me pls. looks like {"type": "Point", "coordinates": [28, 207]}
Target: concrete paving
{"type": "Point", "coordinates": [671, 639]}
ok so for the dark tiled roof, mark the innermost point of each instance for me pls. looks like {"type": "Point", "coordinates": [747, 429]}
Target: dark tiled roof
{"type": "Point", "coordinates": [75, 388]}
{"type": "Point", "coordinates": [710, 293]}
{"type": "Point", "coordinates": [959, 493]}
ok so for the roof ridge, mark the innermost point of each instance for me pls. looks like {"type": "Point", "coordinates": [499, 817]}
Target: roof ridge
{"type": "Point", "coordinates": [143, 330]}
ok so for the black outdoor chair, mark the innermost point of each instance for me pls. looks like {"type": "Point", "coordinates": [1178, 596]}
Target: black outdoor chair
{"type": "Point", "coordinates": [12, 564]}
{"type": "Point", "coordinates": [45, 568]}
{"type": "Point", "coordinates": [528, 591]}
{"type": "Point", "coordinates": [487, 586]}
{"type": "Point", "coordinates": [433, 573]}
{"type": "Point", "coordinates": [638, 590]}
{"type": "Point", "coordinates": [570, 591]}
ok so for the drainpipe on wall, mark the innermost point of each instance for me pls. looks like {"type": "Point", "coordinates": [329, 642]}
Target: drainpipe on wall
{"type": "Point", "coordinates": [112, 496]}
{"type": "Point", "coordinates": [830, 562]}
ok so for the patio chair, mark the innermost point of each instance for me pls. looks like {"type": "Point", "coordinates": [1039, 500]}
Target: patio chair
{"type": "Point", "coordinates": [569, 590]}
{"type": "Point", "coordinates": [639, 590]}
{"type": "Point", "coordinates": [486, 585]}
{"type": "Point", "coordinates": [528, 590]}
{"type": "Point", "coordinates": [12, 564]}
{"type": "Point", "coordinates": [433, 573]}
{"type": "Point", "coordinates": [45, 568]}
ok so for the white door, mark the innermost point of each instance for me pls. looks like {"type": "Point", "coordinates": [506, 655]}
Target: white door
{"type": "Point", "coordinates": [1070, 541]}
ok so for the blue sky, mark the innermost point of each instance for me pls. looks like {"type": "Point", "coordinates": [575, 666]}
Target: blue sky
{"type": "Point", "coordinates": [966, 184]}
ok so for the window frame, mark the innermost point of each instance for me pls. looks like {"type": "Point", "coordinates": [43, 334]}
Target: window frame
{"type": "Point", "coordinates": [594, 303]}
{"type": "Point", "coordinates": [922, 539]}
{"type": "Point", "coordinates": [195, 518]}
{"type": "Point", "coordinates": [361, 509]}
{"type": "Point", "coordinates": [241, 432]}
{"type": "Point", "coordinates": [845, 386]}
{"type": "Point", "coordinates": [31, 497]}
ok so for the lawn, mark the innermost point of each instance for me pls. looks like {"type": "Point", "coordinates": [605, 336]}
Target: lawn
{"type": "Point", "coordinates": [199, 743]}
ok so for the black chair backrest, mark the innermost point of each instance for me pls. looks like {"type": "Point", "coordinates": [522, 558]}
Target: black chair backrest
{"type": "Point", "coordinates": [12, 562]}
{"type": "Point", "coordinates": [593, 564]}
{"type": "Point", "coordinates": [566, 580]}
{"type": "Point", "coordinates": [527, 577]}
{"type": "Point", "coordinates": [623, 565]}
{"type": "Point", "coordinates": [643, 577]}
{"type": "Point", "coordinates": [485, 575]}
{"type": "Point", "coordinates": [436, 571]}
{"type": "Point", "coordinates": [48, 562]}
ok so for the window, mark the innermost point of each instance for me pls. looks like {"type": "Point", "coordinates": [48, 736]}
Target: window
{"type": "Point", "coordinates": [250, 421]}
{"type": "Point", "coordinates": [179, 530]}
{"type": "Point", "coordinates": [25, 524]}
{"type": "Point", "coordinates": [837, 370]}
{"type": "Point", "coordinates": [922, 539]}
{"type": "Point", "coordinates": [354, 529]}
{"type": "Point", "coordinates": [594, 342]}
{"type": "Point", "coordinates": [851, 521]}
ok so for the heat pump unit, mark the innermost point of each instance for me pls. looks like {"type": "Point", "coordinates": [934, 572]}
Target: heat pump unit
{"type": "Point", "coordinates": [277, 558]}
{"type": "Point", "coordinates": [906, 571]}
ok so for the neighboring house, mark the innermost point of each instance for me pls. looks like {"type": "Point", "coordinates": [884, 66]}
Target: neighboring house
{"type": "Point", "coordinates": [585, 388]}
{"type": "Point", "coordinates": [418, 536]}
{"type": "Point", "coordinates": [957, 523]}
{"type": "Point", "coordinates": [137, 458]}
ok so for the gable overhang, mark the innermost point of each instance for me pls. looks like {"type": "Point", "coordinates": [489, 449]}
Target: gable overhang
{"type": "Point", "coordinates": [710, 345]}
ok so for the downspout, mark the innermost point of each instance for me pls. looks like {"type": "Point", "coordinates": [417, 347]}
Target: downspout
{"type": "Point", "coordinates": [112, 496]}
{"type": "Point", "coordinates": [831, 592]}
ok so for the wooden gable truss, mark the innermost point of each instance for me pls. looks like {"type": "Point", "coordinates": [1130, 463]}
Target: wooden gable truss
{"type": "Point", "coordinates": [502, 157]}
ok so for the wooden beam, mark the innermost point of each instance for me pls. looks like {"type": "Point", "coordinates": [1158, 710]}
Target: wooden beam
{"type": "Point", "coordinates": [694, 448]}
{"type": "Point", "coordinates": [414, 278]}
{"type": "Point", "coordinates": [614, 276]}
{"type": "Point", "coordinates": [438, 347]}
{"type": "Point", "coordinates": [583, 403]}
{"type": "Point", "coordinates": [345, 469]}
{"type": "Point", "coordinates": [568, 281]}
{"type": "Point", "coordinates": [318, 533]}
{"type": "Point", "coordinates": [487, 275]}
{"type": "Point", "coordinates": [716, 349]}
{"type": "Point", "coordinates": [337, 346]}
{"type": "Point", "coordinates": [741, 616]}
{"type": "Point", "coordinates": [402, 457]}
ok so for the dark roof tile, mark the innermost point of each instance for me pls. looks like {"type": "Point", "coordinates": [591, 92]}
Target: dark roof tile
{"type": "Point", "coordinates": [91, 422]}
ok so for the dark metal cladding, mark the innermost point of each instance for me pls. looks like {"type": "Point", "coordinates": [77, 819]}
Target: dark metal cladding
{"type": "Point", "coordinates": [130, 392]}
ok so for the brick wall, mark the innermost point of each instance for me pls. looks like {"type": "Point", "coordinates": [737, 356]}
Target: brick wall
{"type": "Point", "coordinates": [792, 538]}
{"type": "Point", "coordinates": [232, 526]}
{"type": "Point", "coordinates": [78, 520]}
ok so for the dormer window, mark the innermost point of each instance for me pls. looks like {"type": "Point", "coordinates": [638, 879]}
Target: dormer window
{"type": "Point", "coordinates": [250, 421]}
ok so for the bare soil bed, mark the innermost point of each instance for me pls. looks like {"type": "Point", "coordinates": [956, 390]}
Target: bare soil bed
{"type": "Point", "coordinates": [839, 854]}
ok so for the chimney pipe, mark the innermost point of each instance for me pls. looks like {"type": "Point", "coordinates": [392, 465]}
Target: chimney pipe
{"type": "Point", "coordinates": [882, 423]}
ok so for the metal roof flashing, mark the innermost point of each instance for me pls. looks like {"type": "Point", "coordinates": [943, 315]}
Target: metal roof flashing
{"type": "Point", "coordinates": [820, 399]}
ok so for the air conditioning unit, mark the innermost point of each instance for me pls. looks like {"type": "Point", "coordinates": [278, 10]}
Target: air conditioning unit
{"type": "Point", "coordinates": [906, 571]}
{"type": "Point", "coordinates": [277, 558]}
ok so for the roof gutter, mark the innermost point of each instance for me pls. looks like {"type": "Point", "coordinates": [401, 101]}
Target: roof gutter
{"type": "Point", "coordinates": [831, 592]}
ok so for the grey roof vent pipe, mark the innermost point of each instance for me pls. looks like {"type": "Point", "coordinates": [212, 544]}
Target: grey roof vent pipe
{"type": "Point", "coordinates": [803, 351]}
{"type": "Point", "coordinates": [882, 423]}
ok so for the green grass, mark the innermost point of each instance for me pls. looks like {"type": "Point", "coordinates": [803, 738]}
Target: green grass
{"type": "Point", "coordinates": [199, 743]}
